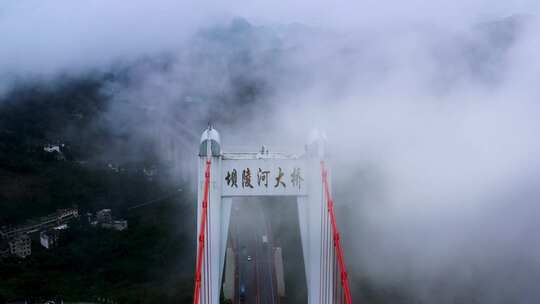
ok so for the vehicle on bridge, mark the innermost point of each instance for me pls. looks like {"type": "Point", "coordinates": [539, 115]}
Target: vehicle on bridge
{"type": "Point", "coordinates": [242, 293]}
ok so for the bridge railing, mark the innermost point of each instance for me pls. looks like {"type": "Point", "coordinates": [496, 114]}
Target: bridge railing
{"type": "Point", "coordinates": [335, 258]}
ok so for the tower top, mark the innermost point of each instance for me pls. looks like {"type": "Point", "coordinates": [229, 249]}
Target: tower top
{"type": "Point", "coordinates": [210, 135]}
{"type": "Point", "coordinates": [317, 144]}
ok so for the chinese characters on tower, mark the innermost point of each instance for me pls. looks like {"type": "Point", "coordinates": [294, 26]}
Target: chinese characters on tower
{"type": "Point", "coordinates": [263, 176]}
{"type": "Point", "coordinates": [231, 178]}
{"type": "Point", "coordinates": [278, 179]}
{"type": "Point", "coordinates": [296, 178]}
{"type": "Point", "coordinates": [246, 178]}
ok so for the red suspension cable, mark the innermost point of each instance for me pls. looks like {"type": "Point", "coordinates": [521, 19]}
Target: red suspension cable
{"type": "Point", "coordinates": [335, 236]}
{"type": "Point", "coordinates": [204, 224]}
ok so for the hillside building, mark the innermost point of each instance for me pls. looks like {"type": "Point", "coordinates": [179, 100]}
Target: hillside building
{"type": "Point", "coordinates": [104, 216]}
{"type": "Point", "coordinates": [48, 238]}
{"type": "Point", "coordinates": [21, 246]}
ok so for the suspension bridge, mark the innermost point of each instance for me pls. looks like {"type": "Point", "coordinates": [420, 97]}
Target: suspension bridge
{"type": "Point", "coordinates": [306, 177]}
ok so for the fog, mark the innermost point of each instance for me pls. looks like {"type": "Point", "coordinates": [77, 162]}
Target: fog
{"type": "Point", "coordinates": [430, 110]}
{"type": "Point", "coordinates": [40, 38]}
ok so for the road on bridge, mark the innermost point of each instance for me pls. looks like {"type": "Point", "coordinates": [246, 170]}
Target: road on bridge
{"type": "Point", "coordinates": [253, 243]}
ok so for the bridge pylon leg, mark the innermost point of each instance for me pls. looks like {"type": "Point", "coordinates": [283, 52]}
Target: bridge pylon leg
{"type": "Point", "coordinates": [316, 239]}
{"type": "Point", "coordinates": [219, 211]}
{"type": "Point", "coordinates": [218, 216]}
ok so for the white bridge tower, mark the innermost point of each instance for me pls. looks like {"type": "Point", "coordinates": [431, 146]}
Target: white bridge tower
{"type": "Point", "coordinates": [270, 174]}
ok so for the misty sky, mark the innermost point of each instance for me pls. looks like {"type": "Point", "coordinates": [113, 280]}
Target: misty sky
{"type": "Point", "coordinates": [44, 37]}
